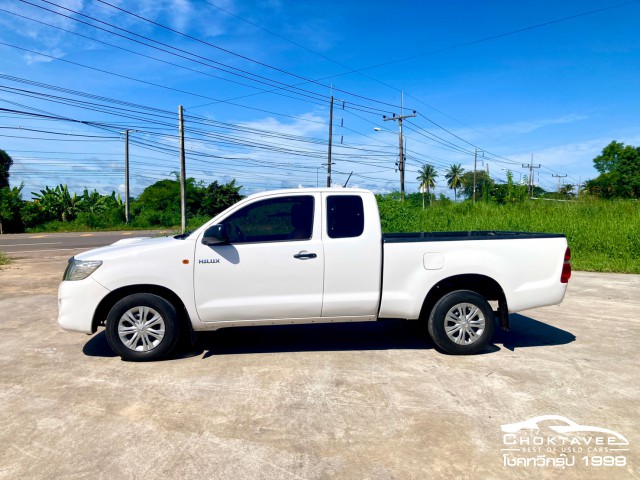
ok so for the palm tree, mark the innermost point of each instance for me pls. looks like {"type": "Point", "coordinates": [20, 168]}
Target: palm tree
{"type": "Point", "coordinates": [427, 180]}
{"type": "Point", "coordinates": [454, 178]}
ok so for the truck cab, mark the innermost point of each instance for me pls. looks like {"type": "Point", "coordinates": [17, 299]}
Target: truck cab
{"type": "Point", "coordinates": [303, 256]}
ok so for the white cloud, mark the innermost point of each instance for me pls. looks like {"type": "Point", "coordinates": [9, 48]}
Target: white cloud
{"type": "Point", "coordinates": [521, 128]}
{"type": "Point", "coordinates": [306, 124]}
{"type": "Point", "coordinates": [194, 18]}
{"type": "Point", "coordinates": [579, 154]}
{"type": "Point", "coordinates": [32, 58]}
{"type": "Point", "coordinates": [574, 159]}
{"type": "Point", "coordinates": [182, 15]}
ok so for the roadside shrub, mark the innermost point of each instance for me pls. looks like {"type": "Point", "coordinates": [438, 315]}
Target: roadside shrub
{"type": "Point", "coordinates": [4, 260]}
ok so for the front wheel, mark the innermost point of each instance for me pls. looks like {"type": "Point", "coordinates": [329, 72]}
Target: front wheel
{"type": "Point", "coordinates": [461, 322]}
{"type": "Point", "coordinates": [142, 327]}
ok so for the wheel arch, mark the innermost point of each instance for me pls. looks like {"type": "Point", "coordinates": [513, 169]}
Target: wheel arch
{"type": "Point", "coordinates": [481, 284]}
{"type": "Point", "coordinates": [107, 303]}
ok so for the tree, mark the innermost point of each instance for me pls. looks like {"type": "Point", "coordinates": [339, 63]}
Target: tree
{"type": "Point", "coordinates": [505, 193]}
{"type": "Point", "coordinates": [483, 183]}
{"type": "Point", "coordinates": [427, 180]}
{"type": "Point", "coordinates": [566, 190]}
{"type": "Point", "coordinates": [218, 197]}
{"type": "Point", "coordinates": [619, 168]}
{"type": "Point", "coordinates": [164, 196]}
{"type": "Point", "coordinates": [454, 178]}
{"type": "Point", "coordinates": [96, 203]}
{"type": "Point", "coordinates": [5, 164]}
{"type": "Point", "coordinates": [10, 205]}
{"type": "Point", "coordinates": [58, 202]}
{"type": "Point", "coordinates": [159, 204]}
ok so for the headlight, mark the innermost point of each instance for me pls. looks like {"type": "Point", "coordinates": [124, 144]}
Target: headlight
{"type": "Point", "coordinates": [80, 269]}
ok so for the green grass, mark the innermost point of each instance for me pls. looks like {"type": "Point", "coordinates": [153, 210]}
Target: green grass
{"type": "Point", "coordinates": [83, 226]}
{"type": "Point", "coordinates": [604, 236]}
{"type": "Point", "coordinates": [4, 260]}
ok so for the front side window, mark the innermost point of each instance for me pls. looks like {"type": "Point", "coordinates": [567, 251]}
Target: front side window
{"type": "Point", "coordinates": [272, 220]}
{"type": "Point", "coordinates": [345, 216]}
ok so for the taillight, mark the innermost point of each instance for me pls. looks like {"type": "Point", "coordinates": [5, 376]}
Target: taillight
{"type": "Point", "coordinates": [566, 267]}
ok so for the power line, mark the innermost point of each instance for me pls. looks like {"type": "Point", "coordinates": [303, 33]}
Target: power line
{"type": "Point", "coordinates": [272, 112]}
{"type": "Point", "coordinates": [198, 58]}
{"type": "Point", "coordinates": [477, 41]}
{"type": "Point", "coordinates": [119, 111]}
{"type": "Point", "coordinates": [155, 146]}
{"type": "Point", "coordinates": [240, 55]}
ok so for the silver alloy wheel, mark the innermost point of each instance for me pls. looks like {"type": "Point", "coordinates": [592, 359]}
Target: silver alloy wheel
{"type": "Point", "coordinates": [141, 329]}
{"type": "Point", "coordinates": [464, 323]}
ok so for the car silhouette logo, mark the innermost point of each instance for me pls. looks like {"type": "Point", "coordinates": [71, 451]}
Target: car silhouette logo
{"type": "Point", "coordinates": [564, 426]}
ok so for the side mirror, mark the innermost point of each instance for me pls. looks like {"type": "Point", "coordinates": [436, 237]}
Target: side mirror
{"type": "Point", "coordinates": [216, 234]}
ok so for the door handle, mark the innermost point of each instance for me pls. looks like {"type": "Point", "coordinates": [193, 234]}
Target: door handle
{"type": "Point", "coordinates": [304, 255]}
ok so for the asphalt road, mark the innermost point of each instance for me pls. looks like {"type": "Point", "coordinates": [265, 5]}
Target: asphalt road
{"type": "Point", "coordinates": [30, 245]}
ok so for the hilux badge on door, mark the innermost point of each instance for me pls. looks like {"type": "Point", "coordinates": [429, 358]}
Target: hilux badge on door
{"type": "Point", "coordinates": [209, 260]}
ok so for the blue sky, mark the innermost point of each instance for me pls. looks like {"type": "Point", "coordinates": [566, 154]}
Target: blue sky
{"type": "Point", "coordinates": [556, 80]}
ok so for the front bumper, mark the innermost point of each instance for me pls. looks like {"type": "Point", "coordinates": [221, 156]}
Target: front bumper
{"type": "Point", "coordinates": [77, 303]}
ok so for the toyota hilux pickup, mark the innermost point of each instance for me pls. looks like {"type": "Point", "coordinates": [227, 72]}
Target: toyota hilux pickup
{"type": "Point", "coordinates": [309, 256]}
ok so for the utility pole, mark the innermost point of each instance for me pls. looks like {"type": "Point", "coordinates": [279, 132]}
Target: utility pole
{"type": "Point", "coordinates": [579, 185]}
{"type": "Point", "coordinates": [401, 158]}
{"type": "Point", "coordinates": [475, 167]}
{"type": "Point", "coordinates": [126, 176]}
{"type": "Point", "coordinates": [530, 166]}
{"type": "Point", "coordinates": [323, 165]}
{"type": "Point", "coordinates": [183, 185]}
{"type": "Point", "coordinates": [559, 177]}
{"type": "Point", "coordinates": [329, 163]}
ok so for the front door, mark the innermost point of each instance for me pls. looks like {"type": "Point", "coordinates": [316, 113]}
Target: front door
{"type": "Point", "coordinates": [271, 268]}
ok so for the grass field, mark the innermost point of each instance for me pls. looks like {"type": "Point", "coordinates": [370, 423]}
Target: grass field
{"type": "Point", "coordinates": [604, 236]}
{"type": "Point", "coordinates": [3, 259]}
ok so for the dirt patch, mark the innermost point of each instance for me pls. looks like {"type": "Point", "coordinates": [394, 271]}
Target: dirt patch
{"type": "Point", "coordinates": [31, 277]}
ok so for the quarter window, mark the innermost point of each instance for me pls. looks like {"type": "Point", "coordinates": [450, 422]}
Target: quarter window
{"type": "Point", "coordinates": [345, 216]}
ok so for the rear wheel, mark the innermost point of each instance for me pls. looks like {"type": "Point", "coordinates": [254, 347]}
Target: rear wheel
{"type": "Point", "coordinates": [142, 327]}
{"type": "Point", "coordinates": [461, 322]}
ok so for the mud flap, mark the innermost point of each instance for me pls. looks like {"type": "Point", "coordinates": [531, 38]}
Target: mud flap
{"type": "Point", "coordinates": [503, 314]}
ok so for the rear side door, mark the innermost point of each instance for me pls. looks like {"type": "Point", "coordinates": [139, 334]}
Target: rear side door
{"type": "Point", "coordinates": [272, 266]}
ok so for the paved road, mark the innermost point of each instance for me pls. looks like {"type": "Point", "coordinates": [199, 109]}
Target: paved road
{"type": "Point", "coordinates": [319, 402]}
{"type": "Point", "coordinates": [50, 244]}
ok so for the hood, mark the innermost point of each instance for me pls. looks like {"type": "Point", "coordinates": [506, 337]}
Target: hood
{"type": "Point", "coordinates": [128, 247]}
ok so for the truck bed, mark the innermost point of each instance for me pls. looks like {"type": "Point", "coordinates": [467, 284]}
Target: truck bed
{"type": "Point", "coordinates": [467, 235]}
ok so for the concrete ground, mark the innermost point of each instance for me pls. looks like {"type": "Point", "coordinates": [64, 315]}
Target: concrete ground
{"type": "Point", "coordinates": [356, 401]}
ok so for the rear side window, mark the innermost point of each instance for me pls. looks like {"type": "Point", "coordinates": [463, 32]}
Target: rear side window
{"type": "Point", "coordinates": [345, 216]}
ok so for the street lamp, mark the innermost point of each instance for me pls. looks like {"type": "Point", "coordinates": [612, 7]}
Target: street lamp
{"type": "Point", "coordinates": [380, 129]}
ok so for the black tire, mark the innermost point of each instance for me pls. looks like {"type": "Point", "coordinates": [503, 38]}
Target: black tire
{"type": "Point", "coordinates": [472, 333]}
{"type": "Point", "coordinates": [152, 341]}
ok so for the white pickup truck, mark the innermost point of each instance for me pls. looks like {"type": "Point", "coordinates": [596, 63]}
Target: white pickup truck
{"type": "Point", "coordinates": [308, 256]}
